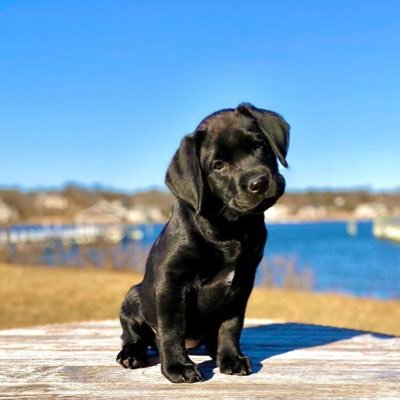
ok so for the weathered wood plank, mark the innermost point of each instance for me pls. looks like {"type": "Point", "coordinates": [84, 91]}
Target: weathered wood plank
{"type": "Point", "coordinates": [300, 361]}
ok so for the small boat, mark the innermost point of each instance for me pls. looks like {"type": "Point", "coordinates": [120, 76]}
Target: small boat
{"type": "Point", "coordinates": [352, 227]}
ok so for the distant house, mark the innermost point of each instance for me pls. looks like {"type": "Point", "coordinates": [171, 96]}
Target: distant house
{"type": "Point", "coordinates": [312, 213]}
{"type": "Point", "coordinates": [114, 212]}
{"type": "Point", "coordinates": [142, 214]}
{"type": "Point", "coordinates": [102, 212]}
{"type": "Point", "coordinates": [279, 212]}
{"type": "Point", "coordinates": [370, 210]}
{"type": "Point", "coordinates": [6, 213]}
{"type": "Point", "coordinates": [51, 201]}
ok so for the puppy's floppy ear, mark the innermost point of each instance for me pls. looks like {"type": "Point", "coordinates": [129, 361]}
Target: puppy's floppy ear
{"type": "Point", "coordinates": [184, 177]}
{"type": "Point", "coordinates": [273, 126]}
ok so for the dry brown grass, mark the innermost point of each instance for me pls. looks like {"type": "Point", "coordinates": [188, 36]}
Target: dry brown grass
{"type": "Point", "coordinates": [326, 309]}
{"type": "Point", "coordinates": [41, 295]}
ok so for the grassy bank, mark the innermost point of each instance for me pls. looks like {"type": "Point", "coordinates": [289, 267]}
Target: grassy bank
{"type": "Point", "coordinates": [40, 295]}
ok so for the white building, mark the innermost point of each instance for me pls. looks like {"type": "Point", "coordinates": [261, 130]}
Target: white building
{"type": "Point", "coordinates": [370, 210]}
{"type": "Point", "coordinates": [115, 212]}
{"type": "Point", "coordinates": [6, 213]}
{"type": "Point", "coordinates": [102, 212]}
{"type": "Point", "coordinates": [279, 212]}
{"type": "Point", "coordinates": [51, 201]}
{"type": "Point", "coordinates": [141, 215]}
{"type": "Point", "coordinates": [312, 212]}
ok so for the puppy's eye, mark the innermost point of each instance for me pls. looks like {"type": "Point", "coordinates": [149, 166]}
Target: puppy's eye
{"type": "Point", "coordinates": [218, 165]}
{"type": "Point", "coordinates": [258, 144]}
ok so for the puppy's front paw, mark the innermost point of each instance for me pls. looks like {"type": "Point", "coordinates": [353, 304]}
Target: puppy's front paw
{"type": "Point", "coordinates": [235, 365]}
{"type": "Point", "coordinates": [180, 373]}
{"type": "Point", "coordinates": [128, 358]}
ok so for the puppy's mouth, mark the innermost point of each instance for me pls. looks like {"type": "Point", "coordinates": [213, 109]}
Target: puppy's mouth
{"type": "Point", "coordinates": [244, 208]}
{"type": "Point", "coordinates": [244, 204]}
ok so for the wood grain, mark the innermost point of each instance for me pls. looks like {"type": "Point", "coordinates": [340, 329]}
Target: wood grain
{"type": "Point", "coordinates": [290, 360]}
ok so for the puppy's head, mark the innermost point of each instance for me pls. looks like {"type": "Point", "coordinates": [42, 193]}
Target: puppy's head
{"type": "Point", "coordinates": [229, 164]}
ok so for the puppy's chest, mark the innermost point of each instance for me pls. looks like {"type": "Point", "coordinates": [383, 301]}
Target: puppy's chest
{"type": "Point", "coordinates": [222, 278]}
{"type": "Point", "coordinates": [232, 252]}
{"type": "Point", "coordinates": [215, 291]}
{"type": "Point", "coordinates": [224, 263]}
{"type": "Point", "coordinates": [219, 271]}
{"type": "Point", "coordinates": [222, 275]}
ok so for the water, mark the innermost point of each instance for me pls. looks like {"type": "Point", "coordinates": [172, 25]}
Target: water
{"type": "Point", "coordinates": [359, 265]}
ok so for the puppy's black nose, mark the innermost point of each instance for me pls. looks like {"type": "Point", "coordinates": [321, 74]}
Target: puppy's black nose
{"type": "Point", "coordinates": [259, 185]}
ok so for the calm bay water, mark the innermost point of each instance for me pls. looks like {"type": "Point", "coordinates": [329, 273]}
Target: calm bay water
{"type": "Point", "coordinates": [360, 265]}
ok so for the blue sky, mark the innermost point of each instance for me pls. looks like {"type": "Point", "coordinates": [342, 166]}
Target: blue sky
{"type": "Point", "coordinates": [103, 91]}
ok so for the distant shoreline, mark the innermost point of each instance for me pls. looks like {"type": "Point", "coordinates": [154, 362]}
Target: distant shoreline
{"type": "Point", "coordinates": [75, 204]}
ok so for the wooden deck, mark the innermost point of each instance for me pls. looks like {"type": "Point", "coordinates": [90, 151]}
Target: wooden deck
{"type": "Point", "coordinates": [290, 360]}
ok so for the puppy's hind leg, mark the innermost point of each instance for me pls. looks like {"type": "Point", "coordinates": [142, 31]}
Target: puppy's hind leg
{"type": "Point", "coordinates": [136, 334]}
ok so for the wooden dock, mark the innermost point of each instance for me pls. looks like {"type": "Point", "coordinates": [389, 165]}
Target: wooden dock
{"type": "Point", "coordinates": [290, 361]}
{"type": "Point", "coordinates": [387, 228]}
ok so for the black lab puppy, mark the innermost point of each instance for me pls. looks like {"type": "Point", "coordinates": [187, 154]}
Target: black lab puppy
{"type": "Point", "coordinates": [200, 271]}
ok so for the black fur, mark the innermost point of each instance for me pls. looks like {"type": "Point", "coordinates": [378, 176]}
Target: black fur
{"type": "Point", "coordinates": [200, 271]}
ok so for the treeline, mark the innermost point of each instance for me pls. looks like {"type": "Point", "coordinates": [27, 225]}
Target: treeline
{"type": "Point", "coordinates": [31, 206]}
